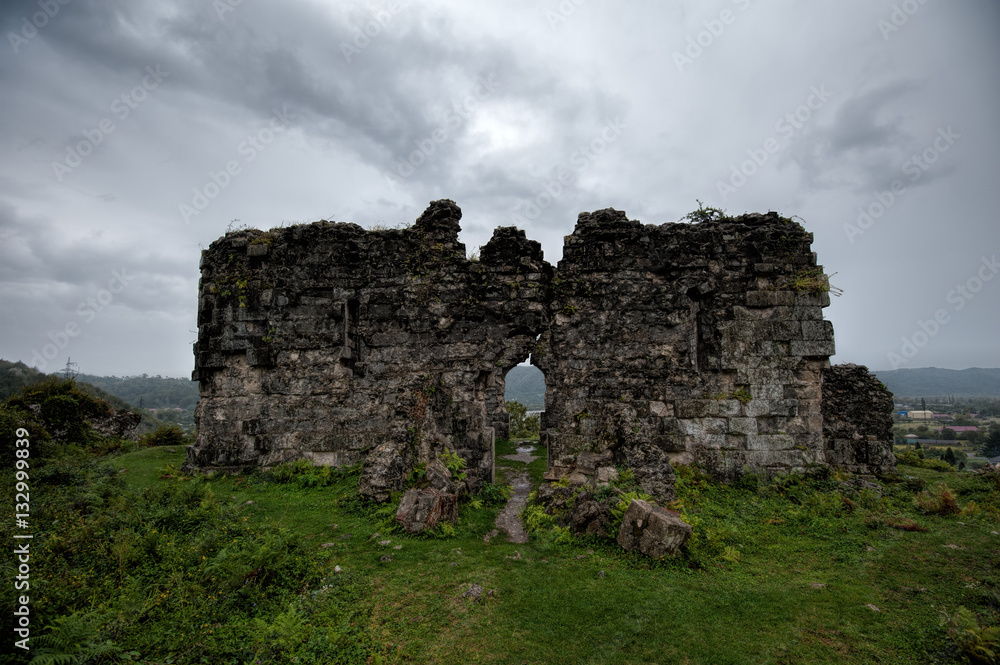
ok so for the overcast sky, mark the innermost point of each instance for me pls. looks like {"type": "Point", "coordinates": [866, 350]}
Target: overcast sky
{"type": "Point", "coordinates": [134, 133]}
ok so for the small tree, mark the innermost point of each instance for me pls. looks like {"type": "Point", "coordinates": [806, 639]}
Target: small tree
{"type": "Point", "coordinates": [948, 434]}
{"type": "Point", "coordinates": [949, 456]}
{"type": "Point", "coordinates": [517, 412]}
{"type": "Point", "coordinates": [992, 446]}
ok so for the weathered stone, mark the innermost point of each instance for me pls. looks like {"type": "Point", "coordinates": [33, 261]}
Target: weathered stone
{"type": "Point", "coordinates": [384, 472]}
{"type": "Point", "coordinates": [652, 469]}
{"type": "Point", "coordinates": [857, 421]}
{"type": "Point", "coordinates": [553, 498]}
{"type": "Point", "coordinates": [326, 342]}
{"type": "Point", "coordinates": [439, 477]}
{"type": "Point", "coordinates": [590, 518]}
{"type": "Point", "coordinates": [606, 475]}
{"type": "Point", "coordinates": [424, 509]}
{"type": "Point", "coordinates": [652, 530]}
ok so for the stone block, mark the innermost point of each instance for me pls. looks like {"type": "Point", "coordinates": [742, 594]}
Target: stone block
{"type": "Point", "coordinates": [817, 330]}
{"type": "Point", "coordinates": [770, 298]}
{"type": "Point", "coordinates": [813, 348]}
{"type": "Point", "coordinates": [743, 426]}
{"type": "Point", "coordinates": [693, 408]}
{"type": "Point", "coordinates": [424, 509]}
{"type": "Point", "coordinates": [661, 409]}
{"type": "Point", "coordinates": [652, 530]}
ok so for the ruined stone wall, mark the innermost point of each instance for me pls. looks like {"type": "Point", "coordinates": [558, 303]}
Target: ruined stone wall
{"type": "Point", "coordinates": [703, 343]}
{"type": "Point", "coordinates": [857, 421]}
{"type": "Point", "coordinates": [322, 341]}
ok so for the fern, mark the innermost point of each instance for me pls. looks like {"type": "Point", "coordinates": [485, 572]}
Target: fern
{"type": "Point", "coordinates": [71, 640]}
{"type": "Point", "coordinates": [981, 644]}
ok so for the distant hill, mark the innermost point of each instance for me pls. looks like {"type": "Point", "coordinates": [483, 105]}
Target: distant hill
{"type": "Point", "coordinates": [122, 393]}
{"type": "Point", "coordinates": [526, 384]}
{"type": "Point", "coordinates": [154, 392]}
{"type": "Point", "coordinates": [16, 375]}
{"type": "Point", "coordinates": [934, 382]}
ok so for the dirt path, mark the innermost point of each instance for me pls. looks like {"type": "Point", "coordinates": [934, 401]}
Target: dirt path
{"type": "Point", "coordinates": [508, 520]}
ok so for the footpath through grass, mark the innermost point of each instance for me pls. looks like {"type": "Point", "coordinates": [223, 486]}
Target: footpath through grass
{"type": "Point", "coordinates": [243, 569]}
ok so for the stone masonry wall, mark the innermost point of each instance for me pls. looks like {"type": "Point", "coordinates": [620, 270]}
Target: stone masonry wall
{"type": "Point", "coordinates": [322, 341]}
{"type": "Point", "coordinates": [702, 343]}
{"type": "Point", "coordinates": [857, 421]}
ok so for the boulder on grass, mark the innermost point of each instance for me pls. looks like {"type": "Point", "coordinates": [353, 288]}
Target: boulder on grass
{"type": "Point", "coordinates": [652, 530]}
{"type": "Point", "coordinates": [423, 509]}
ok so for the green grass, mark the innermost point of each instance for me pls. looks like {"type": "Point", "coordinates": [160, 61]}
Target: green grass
{"type": "Point", "coordinates": [778, 573]}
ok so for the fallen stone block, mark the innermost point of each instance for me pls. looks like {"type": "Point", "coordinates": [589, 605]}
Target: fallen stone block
{"type": "Point", "coordinates": [652, 529]}
{"type": "Point", "coordinates": [423, 509]}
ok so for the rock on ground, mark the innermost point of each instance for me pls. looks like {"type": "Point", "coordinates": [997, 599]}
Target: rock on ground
{"type": "Point", "coordinates": [424, 509]}
{"type": "Point", "coordinates": [652, 530]}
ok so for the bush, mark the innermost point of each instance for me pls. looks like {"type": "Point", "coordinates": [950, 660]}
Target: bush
{"type": "Point", "coordinates": [495, 495]}
{"type": "Point", "coordinates": [12, 418]}
{"type": "Point", "coordinates": [911, 458]}
{"type": "Point", "coordinates": [939, 501]}
{"type": "Point", "coordinates": [166, 435]}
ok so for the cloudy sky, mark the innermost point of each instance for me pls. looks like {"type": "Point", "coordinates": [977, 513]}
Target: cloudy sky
{"type": "Point", "coordinates": [135, 133]}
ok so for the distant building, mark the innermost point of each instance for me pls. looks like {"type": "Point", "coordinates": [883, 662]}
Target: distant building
{"type": "Point", "coordinates": [959, 428]}
{"type": "Point", "coordinates": [919, 415]}
{"type": "Point", "coordinates": [941, 416]}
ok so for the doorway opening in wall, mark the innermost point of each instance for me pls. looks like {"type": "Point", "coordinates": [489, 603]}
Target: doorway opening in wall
{"type": "Point", "coordinates": [520, 453]}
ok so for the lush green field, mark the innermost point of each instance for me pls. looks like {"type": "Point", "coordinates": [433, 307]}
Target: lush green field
{"type": "Point", "coordinates": [242, 570]}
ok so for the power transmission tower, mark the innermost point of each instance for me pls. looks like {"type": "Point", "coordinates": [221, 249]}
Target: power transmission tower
{"type": "Point", "coordinates": [68, 371]}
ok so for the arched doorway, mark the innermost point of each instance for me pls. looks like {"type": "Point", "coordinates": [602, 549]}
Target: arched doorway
{"type": "Point", "coordinates": [519, 421]}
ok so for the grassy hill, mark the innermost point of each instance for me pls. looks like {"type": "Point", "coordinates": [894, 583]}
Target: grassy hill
{"type": "Point", "coordinates": [936, 382]}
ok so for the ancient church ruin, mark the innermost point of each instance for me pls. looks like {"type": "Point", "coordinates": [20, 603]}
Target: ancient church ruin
{"type": "Point", "coordinates": [699, 342]}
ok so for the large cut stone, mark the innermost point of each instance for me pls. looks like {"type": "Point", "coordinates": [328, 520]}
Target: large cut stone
{"type": "Point", "coordinates": [423, 509]}
{"type": "Point", "coordinates": [652, 530]}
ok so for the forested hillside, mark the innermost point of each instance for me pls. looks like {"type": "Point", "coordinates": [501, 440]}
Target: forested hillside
{"type": "Point", "coordinates": [936, 382]}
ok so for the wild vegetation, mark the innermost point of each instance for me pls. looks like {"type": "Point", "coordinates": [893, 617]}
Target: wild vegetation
{"type": "Point", "coordinates": [132, 561]}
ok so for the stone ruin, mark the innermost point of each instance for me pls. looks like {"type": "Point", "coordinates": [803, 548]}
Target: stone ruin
{"type": "Point", "coordinates": [699, 343]}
